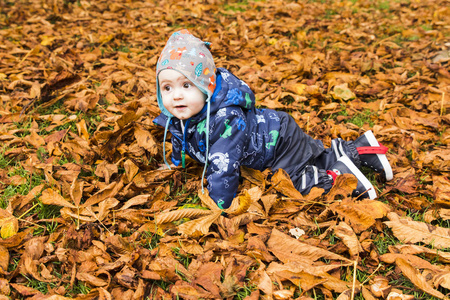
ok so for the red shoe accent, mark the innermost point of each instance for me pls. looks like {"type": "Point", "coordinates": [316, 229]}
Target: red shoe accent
{"type": "Point", "coordinates": [372, 150]}
{"type": "Point", "coordinates": [332, 174]}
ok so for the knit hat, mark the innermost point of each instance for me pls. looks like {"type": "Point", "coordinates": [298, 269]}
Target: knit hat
{"type": "Point", "coordinates": [191, 57]}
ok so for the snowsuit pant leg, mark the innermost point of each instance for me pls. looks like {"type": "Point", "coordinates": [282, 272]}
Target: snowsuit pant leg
{"type": "Point", "coordinates": [305, 159]}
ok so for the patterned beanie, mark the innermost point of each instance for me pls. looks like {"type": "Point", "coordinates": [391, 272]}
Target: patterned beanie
{"type": "Point", "coordinates": [191, 57]}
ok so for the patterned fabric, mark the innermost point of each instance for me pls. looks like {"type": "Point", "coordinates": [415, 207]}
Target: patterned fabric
{"type": "Point", "coordinates": [240, 134]}
{"type": "Point", "coordinates": [191, 57]}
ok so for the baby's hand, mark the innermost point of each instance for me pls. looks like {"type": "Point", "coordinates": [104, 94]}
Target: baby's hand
{"type": "Point", "coordinates": [165, 167]}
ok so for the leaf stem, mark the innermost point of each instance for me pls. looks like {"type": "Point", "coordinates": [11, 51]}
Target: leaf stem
{"type": "Point", "coordinates": [28, 211]}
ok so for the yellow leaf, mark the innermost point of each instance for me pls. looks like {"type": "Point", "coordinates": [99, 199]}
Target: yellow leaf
{"type": "Point", "coordinates": [10, 227]}
{"type": "Point", "coordinates": [239, 204]}
{"type": "Point", "coordinates": [47, 40]}
{"type": "Point", "coordinates": [199, 226]}
{"type": "Point", "coordinates": [299, 88]}
{"type": "Point", "coordinates": [82, 130]}
{"type": "Point", "coordinates": [273, 41]}
{"type": "Point", "coordinates": [105, 38]}
{"type": "Point", "coordinates": [3, 76]}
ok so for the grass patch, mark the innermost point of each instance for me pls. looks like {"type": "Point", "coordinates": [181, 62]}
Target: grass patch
{"type": "Point", "coordinates": [245, 291]}
{"type": "Point", "coordinates": [16, 169]}
{"type": "Point", "coordinates": [362, 118]}
{"type": "Point", "coordinates": [384, 5]}
{"type": "Point", "coordinates": [383, 240]}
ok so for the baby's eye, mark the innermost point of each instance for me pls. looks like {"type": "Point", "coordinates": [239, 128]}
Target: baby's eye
{"type": "Point", "coordinates": [187, 85]}
{"type": "Point", "coordinates": [167, 88]}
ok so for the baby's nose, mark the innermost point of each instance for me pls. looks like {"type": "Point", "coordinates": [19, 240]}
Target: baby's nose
{"type": "Point", "coordinates": [177, 94]}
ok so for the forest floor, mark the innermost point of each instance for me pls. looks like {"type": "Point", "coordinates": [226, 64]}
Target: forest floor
{"type": "Point", "coordinates": [86, 213]}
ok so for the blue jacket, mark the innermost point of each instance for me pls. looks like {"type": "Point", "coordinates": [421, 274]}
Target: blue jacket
{"type": "Point", "coordinates": [240, 135]}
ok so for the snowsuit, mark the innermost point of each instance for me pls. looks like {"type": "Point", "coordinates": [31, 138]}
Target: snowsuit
{"type": "Point", "coordinates": [242, 135]}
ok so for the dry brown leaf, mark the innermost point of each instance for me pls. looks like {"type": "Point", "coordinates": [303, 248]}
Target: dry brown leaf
{"type": "Point", "coordinates": [76, 191]}
{"type": "Point", "coordinates": [137, 200]}
{"type": "Point", "coordinates": [176, 215]}
{"type": "Point", "coordinates": [414, 232]}
{"type": "Point", "coordinates": [283, 184]}
{"type": "Point", "coordinates": [130, 169]}
{"type": "Point", "coordinates": [106, 170]}
{"type": "Point", "coordinates": [4, 289]}
{"type": "Point", "coordinates": [200, 225]}
{"type": "Point", "coordinates": [367, 294]}
{"type": "Point", "coordinates": [52, 197]}
{"type": "Point", "coordinates": [108, 192]}
{"type": "Point", "coordinates": [417, 279]}
{"type": "Point", "coordinates": [416, 249]}
{"type": "Point", "coordinates": [287, 249]}
{"type": "Point", "coordinates": [4, 259]}
{"type": "Point", "coordinates": [206, 200]}
{"type": "Point", "coordinates": [91, 279]}
{"type": "Point", "coordinates": [296, 275]}
{"type": "Point", "coordinates": [344, 185]}
{"type": "Point", "coordinates": [360, 220]}
{"type": "Point", "coordinates": [146, 140]}
{"type": "Point", "coordinates": [349, 238]}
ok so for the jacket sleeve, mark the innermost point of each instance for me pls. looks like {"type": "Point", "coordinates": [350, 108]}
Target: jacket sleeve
{"type": "Point", "coordinates": [225, 154]}
{"type": "Point", "coordinates": [176, 151]}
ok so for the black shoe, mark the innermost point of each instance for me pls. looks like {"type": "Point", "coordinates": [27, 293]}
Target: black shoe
{"type": "Point", "coordinates": [373, 154]}
{"type": "Point", "coordinates": [345, 166]}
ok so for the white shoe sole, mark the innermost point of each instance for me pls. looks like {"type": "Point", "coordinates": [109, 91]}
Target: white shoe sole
{"type": "Point", "coordinates": [382, 157]}
{"type": "Point", "coordinates": [360, 176]}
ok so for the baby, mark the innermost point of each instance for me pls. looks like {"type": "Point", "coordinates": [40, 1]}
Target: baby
{"type": "Point", "coordinates": [212, 117]}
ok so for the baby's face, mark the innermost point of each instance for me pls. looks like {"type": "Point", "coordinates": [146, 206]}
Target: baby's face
{"type": "Point", "coordinates": [179, 95]}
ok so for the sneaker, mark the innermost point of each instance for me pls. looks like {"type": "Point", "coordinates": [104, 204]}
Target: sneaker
{"type": "Point", "coordinates": [373, 154]}
{"type": "Point", "coordinates": [345, 166]}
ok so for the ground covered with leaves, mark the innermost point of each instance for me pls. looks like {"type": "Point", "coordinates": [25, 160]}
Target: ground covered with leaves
{"type": "Point", "coordinates": [86, 214]}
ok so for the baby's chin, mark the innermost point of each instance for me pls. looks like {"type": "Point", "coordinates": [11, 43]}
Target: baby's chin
{"type": "Point", "coordinates": [182, 116]}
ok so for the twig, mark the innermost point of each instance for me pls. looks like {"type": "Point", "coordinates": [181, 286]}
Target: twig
{"type": "Point", "coordinates": [26, 107]}
{"type": "Point", "coordinates": [35, 224]}
{"type": "Point", "coordinates": [354, 279]}
{"type": "Point", "coordinates": [28, 211]}
{"type": "Point", "coordinates": [64, 136]}
{"type": "Point", "coordinates": [367, 279]}
{"type": "Point", "coordinates": [442, 103]}
{"type": "Point", "coordinates": [78, 217]}
{"type": "Point", "coordinates": [95, 216]}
